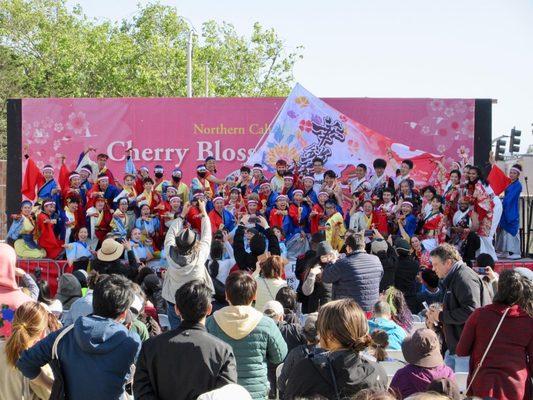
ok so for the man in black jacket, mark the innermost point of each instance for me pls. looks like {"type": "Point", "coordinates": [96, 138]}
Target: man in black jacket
{"type": "Point", "coordinates": [464, 292]}
{"type": "Point", "coordinates": [185, 362]}
{"type": "Point", "coordinates": [407, 268]}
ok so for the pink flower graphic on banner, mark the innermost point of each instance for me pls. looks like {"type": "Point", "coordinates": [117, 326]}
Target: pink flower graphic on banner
{"type": "Point", "coordinates": [448, 111]}
{"type": "Point", "coordinates": [305, 125]}
{"type": "Point", "coordinates": [426, 130]}
{"type": "Point", "coordinates": [292, 114]}
{"type": "Point", "coordinates": [40, 136]}
{"type": "Point", "coordinates": [461, 107]}
{"type": "Point", "coordinates": [455, 126]}
{"type": "Point", "coordinates": [441, 148]}
{"type": "Point", "coordinates": [282, 152]}
{"type": "Point", "coordinates": [57, 144]}
{"type": "Point", "coordinates": [47, 122]}
{"type": "Point", "coordinates": [442, 132]}
{"type": "Point", "coordinates": [463, 151]}
{"type": "Point", "coordinates": [55, 161]}
{"type": "Point", "coordinates": [343, 117]}
{"type": "Point", "coordinates": [77, 122]}
{"type": "Point", "coordinates": [436, 105]}
{"type": "Point", "coordinates": [302, 101]}
{"type": "Point", "coordinates": [58, 127]}
{"type": "Point", "coordinates": [468, 128]}
{"type": "Point", "coordinates": [26, 129]}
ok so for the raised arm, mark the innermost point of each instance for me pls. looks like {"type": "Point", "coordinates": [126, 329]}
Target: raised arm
{"type": "Point", "coordinates": [207, 235]}
{"type": "Point", "coordinates": [175, 227]}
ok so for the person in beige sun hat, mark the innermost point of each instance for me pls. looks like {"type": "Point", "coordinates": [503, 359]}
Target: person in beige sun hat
{"type": "Point", "coordinates": [109, 255]}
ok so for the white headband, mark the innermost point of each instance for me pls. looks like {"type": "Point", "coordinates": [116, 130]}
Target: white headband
{"type": "Point", "coordinates": [515, 169]}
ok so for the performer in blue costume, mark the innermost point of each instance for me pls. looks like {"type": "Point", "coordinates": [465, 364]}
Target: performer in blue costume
{"type": "Point", "coordinates": [49, 189]}
{"type": "Point", "coordinates": [267, 197]}
{"type": "Point", "coordinates": [406, 220]}
{"type": "Point", "coordinates": [508, 242]}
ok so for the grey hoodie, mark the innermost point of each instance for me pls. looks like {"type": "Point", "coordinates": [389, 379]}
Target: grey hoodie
{"type": "Point", "coordinates": [182, 269]}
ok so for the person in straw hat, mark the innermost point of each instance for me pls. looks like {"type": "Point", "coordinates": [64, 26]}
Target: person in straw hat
{"type": "Point", "coordinates": [108, 259]}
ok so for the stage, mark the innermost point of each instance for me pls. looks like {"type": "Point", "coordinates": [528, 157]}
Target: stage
{"type": "Point", "coordinates": [506, 264]}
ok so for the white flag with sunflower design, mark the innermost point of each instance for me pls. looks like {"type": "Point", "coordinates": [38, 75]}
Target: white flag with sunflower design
{"type": "Point", "coordinates": [307, 127]}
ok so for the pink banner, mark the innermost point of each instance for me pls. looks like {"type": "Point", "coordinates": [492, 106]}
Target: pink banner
{"type": "Point", "coordinates": [183, 132]}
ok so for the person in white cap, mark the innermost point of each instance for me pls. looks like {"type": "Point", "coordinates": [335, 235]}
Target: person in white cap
{"type": "Point", "coordinates": [181, 187]}
{"type": "Point", "coordinates": [299, 212]}
{"type": "Point", "coordinates": [292, 333]}
{"type": "Point", "coordinates": [258, 177]}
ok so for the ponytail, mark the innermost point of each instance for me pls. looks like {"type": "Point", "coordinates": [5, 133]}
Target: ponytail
{"type": "Point", "coordinates": [380, 341]}
{"type": "Point", "coordinates": [30, 321]}
{"type": "Point", "coordinates": [379, 352]}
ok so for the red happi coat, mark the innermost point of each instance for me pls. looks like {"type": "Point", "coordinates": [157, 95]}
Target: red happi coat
{"type": "Point", "coordinates": [194, 218]}
{"type": "Point", "coordinates": [277, 219]}
{"type": "Point", "coordinates": [47, 238]}
{"type": "Point", "coordinates": [317, 221]}
{"type": "Point", "coordinates": [435, 227]}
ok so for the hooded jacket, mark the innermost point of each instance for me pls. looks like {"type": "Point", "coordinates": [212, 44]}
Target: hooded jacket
{"type": "Point", "coordinates": [185, 268]}
{"type": "Point", "coordinates": [95, 357]}
{"type": "Point", "coordinates": [313, 376]}
{"type": "Point", "coordinates": [255, 339]}
{"type": "Point", "coordinates": [11, 297]}
{"type": "Point", "coordinates": [69, 290]}
{"type": "Point", "coordinates": [505, 373]}
{"type": "Point", "coordinates": [395, 331]}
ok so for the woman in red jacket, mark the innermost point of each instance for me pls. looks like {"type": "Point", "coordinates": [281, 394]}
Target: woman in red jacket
{"type": "Point", "coordinates": [507, 369]}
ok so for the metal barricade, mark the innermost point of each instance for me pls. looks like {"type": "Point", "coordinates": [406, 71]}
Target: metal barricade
{"type": "Point", "coordinates": [44, 269]}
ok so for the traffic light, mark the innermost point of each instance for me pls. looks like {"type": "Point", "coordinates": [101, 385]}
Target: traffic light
{"type": "Point", "coordinates": [514, 142]}
{"type": "Point", "coordinates": [500, 149]}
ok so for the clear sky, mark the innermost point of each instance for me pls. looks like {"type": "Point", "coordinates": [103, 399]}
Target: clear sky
{"type": "Point", "coordinates": [390, 48]}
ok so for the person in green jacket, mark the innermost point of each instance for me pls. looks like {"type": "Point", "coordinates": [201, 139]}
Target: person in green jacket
{"type": "Point", "coordinates": [255, 338]}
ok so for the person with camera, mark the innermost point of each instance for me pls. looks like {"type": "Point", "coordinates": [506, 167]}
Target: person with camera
{"type": "Point", "coordinates": [247, 261]}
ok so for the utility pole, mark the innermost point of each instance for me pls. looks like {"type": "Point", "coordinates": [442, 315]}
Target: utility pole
{"type": "Point", "coordinates": [206, 79]}
{"type": "Point", "coordinates": [189, 64]}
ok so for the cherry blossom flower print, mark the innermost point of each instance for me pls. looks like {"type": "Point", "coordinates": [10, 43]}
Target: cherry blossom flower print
{"type": "Point", "coordinates": [77, 122]}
